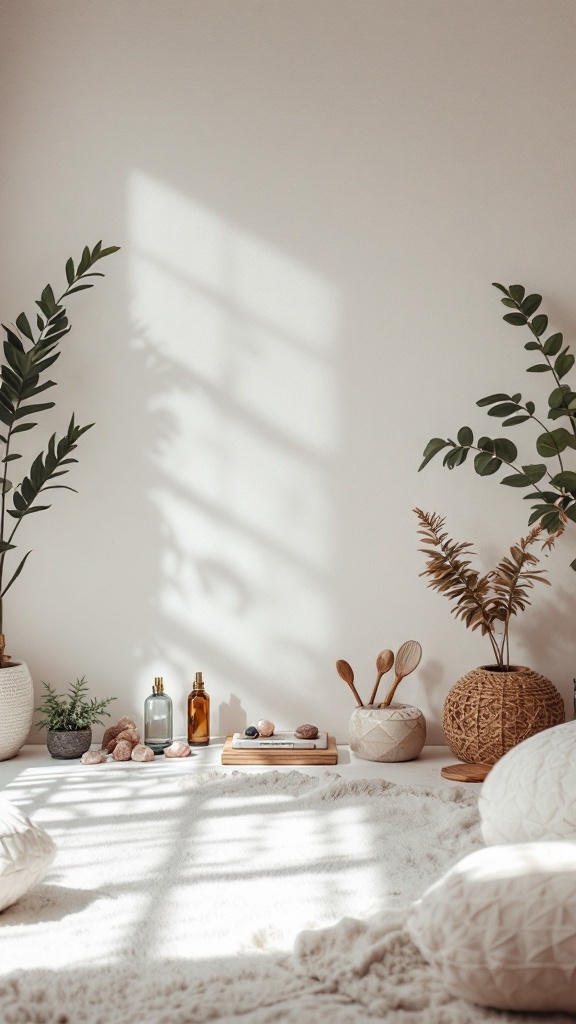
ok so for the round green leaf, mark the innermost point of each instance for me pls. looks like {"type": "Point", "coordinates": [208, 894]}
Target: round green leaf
{"type": "Point", "coordinates": [517, 319]}
{"type": "Point", "coordinates": [539, 324]}
{"type": "Point", "coordinates": [465, 436]}
{"type": "Point", "coordinates": [505, 449]}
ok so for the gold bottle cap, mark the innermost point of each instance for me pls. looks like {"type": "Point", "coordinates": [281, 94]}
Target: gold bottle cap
{"type": "Point", "coordinates": [158, 684]}
{"type": "Point", "coordinates": [198, 684]}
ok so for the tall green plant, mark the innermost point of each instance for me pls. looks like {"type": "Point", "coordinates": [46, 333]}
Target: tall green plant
{"type": "Point", "coordinates": [552, 488]}
{"type": "Point", "coordinates": [28, 354]}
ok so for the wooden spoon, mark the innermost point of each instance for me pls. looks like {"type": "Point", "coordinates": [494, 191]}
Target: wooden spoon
{"type": "Point", "coordinates": [384, 663]}
{"type": "Point", "coordinates": [345, 672]}
{"type": "Point", "coordinates": [407, 659]}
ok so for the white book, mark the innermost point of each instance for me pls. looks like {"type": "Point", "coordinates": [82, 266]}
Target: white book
{"type": "Point", "coordinates": [279, 741]}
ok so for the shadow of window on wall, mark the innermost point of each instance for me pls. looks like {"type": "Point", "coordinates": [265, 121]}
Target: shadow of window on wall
{"type": "Point", "coordinates": [238, 342]}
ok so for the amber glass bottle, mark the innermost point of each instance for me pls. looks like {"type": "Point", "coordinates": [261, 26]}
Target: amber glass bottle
{"type": "Point", "coordinates": [198, 714]}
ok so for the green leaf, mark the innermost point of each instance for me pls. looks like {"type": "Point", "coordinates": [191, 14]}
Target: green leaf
{"type": "Point", "coordinates": [31, 410]}
{"type": "Point", "coordinates": [566, 480]}
{"type": "Point", "coordinates": [552, 443]}
{"type": "Point", "coordinates": [539, 324]}
{"type": "Point", "coordinates": [16, 574]}
{"type": "Point", "coordinates": [551, 521]}
{"type": "Point", "coordinates": [505, 449]}
{"type": "Point", "coordinates": [504, 409]}
{"type": "Point", "coordinates": [533, 346]}
{"type": "Point", "coordinates": [535, 471]}
{"type": "Point", "coordinates": [493, 398]}
{"type": "Point", "coordinates": [571, 512]}
{"type": "Point", "coordinates": [517, 319]}
{"type": "Point", "coordinates": [48, 301]}
{"type": "Point", "coordinates": [500, 286]}
{"type": "Point", "coordinates": [556, 397]}
{"type": "Point", "coordinates": [23, 426]}
{"type": "Point", "coordinates": [435, 445]}
{"type": "Point", "coordinates": [465, 436]}
{"type": "Point", "coordinates": [486, 444]}
{"type": "Point", "coordinates": [517, 291]}
{"type": "Point", "coordinates": [564, 364]}
{"type": "Point", "coordinates": [23, 326]}
{"type": "Point", "coordinates": [10, 458]}
{"type": "Point", "coordinates": [456, 457]}
{"type": "Point", "coordinates": [530, 408]}
{"type": "Point", "coordinates": [109, 251]}
{"type": "Point", "coordinates": [5, 546]}
{"type": "Point", "coordinates": [531, 303]}
{"type": "Point", "coordinates": [573, 565]}
{"type": "Point", "coordinates": [514, 420]}
{"type": "Point", "coordinates": [538, 368]}
{"type": "Point", "coordinates": [517, 480]}
{"type": "Point", "coordinates": [70, 270]}
{"type": "Point", "coordinates": [79, 288]}
{"type": "Point", "coordinates": [485, 464]}
{"type": "Point", "coordinates": [552, 345]}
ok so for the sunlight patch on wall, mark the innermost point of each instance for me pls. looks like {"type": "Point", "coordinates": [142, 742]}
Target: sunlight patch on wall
{"type": "Point", "coordinates": [238, 342]}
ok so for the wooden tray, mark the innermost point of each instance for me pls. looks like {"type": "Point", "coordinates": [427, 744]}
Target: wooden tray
{"type": "Point", "coordinates": [282, 755]}
{"type": "Point", "coordinates": [466, 772]}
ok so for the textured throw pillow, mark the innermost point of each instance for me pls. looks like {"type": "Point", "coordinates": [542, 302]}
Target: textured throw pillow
{"type": "Point", "coordinates": [529, 794]}
{"type": "Point", "coordinates": [500, 927]}
{"type": "Point", "coordinates": [26, 853]}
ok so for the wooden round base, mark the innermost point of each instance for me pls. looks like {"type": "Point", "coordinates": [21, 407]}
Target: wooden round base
{"type": "Point", "coordinates": [465, 772]}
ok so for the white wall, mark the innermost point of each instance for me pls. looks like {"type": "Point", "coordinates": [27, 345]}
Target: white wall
{"type": "Point", "coordinates": [312, 198]}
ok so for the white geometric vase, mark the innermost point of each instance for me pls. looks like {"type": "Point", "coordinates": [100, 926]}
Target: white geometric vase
{"type": "Point", "coordinates": [395, 733]}
{"type": "Point", "coordinates": [16, 708]}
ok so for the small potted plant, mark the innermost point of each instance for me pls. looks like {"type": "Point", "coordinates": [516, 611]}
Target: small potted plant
{"type": "Point", "coordinates": [69, 718]}
{"type": "Point", "coordinates": [492, 708]}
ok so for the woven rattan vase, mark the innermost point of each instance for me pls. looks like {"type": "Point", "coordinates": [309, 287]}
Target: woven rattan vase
{"type": "Point", "coordinates": [16, 708]}
{"type": "Point", "coordinates": [488, 712]}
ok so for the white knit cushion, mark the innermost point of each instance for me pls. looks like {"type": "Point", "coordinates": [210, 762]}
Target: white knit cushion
{"type": "Point", "coordinates": [529, 793]}
{"type": "Point", "coordinates": [26, 853]}
{"type": "Point", "coordinates": [500, 927]}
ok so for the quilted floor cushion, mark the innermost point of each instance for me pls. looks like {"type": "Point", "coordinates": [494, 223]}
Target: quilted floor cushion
{"type": "Point", "coordinates": [26, 853]}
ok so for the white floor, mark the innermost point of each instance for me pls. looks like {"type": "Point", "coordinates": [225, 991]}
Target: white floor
{"type": "Point", "coordinates": [34, 761]}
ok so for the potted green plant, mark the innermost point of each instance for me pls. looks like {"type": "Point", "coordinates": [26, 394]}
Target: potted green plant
{"type": "Point", "coordinates": [29, 352]}
{"type": "Point", "coordinates": [492, 708]}
{"type": "Point", "coordinates": [548, 474]}
{"type": "Point", "coordinates": [68, 718]}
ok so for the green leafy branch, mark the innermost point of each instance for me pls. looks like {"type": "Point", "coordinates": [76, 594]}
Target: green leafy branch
{"type": "Point", "coordinates": [61, 712]}
{"type": "Point", "coordinates": [480, 601]}
{"type": "Point", "coordinates": [28, 355]}
{"type": "Point", "coordinates": [552, 490]}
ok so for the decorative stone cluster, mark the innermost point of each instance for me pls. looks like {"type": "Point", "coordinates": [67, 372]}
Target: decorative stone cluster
{"type": "Point", "coordinates": [266, 728]}
{"type": "Point", "coordinates": [122, 742]}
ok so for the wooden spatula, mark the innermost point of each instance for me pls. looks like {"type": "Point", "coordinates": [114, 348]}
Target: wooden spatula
{"type": "Point", "coordinates": [345, 672]}
{"type": "Point", "coordinates": [407, 659]}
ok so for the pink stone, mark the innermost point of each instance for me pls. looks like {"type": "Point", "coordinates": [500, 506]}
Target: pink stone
{"type": "Point", "coordinates": [113, 730]}
{"type": "Point", "coordinates": [122, 751]}
{"type": "Point", "coordinates": [177, 749]}
{"type": "Point", "coordinates": [93, 757]}
{"type": "Point", "coordinates": [142, 753]}
{"type": "Point", "coordinates": [306, 732]}
{"type": "Point", "coordinates": [265, 728]}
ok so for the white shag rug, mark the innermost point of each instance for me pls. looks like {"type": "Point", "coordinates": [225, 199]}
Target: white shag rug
{"type": "Point", "coordinates": [179, 898]}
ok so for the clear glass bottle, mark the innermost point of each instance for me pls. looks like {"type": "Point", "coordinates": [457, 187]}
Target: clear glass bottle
{"type": "Point", "coordinates": [198, 714]}
{"type": "Point", "coordinates": [158, 718]}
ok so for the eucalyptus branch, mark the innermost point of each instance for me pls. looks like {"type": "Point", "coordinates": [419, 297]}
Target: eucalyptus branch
{"type": "Point", "coordinates": [557, 494]}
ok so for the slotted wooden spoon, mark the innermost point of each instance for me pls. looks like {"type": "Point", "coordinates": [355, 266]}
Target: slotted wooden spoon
{"type": "Point", "coordinates": [345, 672]}
{"type": "Point", "coordinates": [407, 659]}
{"type": "Point", "coordinates": [384, 663]}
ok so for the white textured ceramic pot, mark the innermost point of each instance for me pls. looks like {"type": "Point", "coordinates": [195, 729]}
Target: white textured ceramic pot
{"type": "Point", "coordinates": [395, 733]}
{"type": "Point", "coordinates": [16, 708]}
